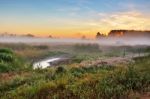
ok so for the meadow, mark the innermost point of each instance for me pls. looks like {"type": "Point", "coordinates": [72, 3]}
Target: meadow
{"type": "Point", "coordinates": [93, 72]}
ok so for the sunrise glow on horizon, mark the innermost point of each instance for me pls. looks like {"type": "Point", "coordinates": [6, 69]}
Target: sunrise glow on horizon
{"type": "Point", "coordinates": [72, 18]}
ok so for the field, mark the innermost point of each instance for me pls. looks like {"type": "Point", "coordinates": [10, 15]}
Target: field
{"type": "Point", "coordinates": [91, 72]}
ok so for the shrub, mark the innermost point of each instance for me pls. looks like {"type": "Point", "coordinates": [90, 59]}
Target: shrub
{"type": "Point", "coordinates": [6, 57]}
{"type": "Point", "coordinates": [5, 68]}
{"type": "Point", "coordinates": [60, 69]}
{"type": "Point", "coordinates": [5, 50]}
{"type": "Point", "coordinates": [77, 71]}
{"type": "Point", "coordinates": [10, 62]}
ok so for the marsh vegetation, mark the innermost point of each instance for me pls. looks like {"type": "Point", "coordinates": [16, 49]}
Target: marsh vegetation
{"type": "Point", "coordinates": [87, 75]}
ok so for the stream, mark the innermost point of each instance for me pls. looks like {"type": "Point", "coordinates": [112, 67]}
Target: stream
{"type": "Point", "coordinates": [47, 62]}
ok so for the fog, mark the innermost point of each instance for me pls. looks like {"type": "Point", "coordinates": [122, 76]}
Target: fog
{"type": "Point", "coordinates": [103, 41]}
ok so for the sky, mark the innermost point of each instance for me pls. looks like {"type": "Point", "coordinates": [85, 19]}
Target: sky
{"type": "Point", "coordinates": [72, 18]}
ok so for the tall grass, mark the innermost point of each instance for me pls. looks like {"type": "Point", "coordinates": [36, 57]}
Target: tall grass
{"type": "Point", "coordinates": [9, 61]}
{"type": "Point", "coordinates": [88, 82]}
{"type": "Point", "coordinates": [104, 82]}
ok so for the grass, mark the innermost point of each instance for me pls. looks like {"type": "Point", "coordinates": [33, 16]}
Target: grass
{"type": "Point", "coordinates": [73, 82]}
{"type": "Point", "coordinates": [85, 82]}
{"type": "Point", "coordinates": [9, 61]}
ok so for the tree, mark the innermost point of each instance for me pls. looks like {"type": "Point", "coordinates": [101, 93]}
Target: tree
{"type": "Point", "coordinates": [83, 37]}
{"type": "Point", "coordinates": [99, 35]}
{"type": "Point", "coordinates": [50, 36]}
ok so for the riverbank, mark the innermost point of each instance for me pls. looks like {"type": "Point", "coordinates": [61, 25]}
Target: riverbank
{"type": "Point", "coordinates": [77, 82]}
{"type": "Point", "coordinates": [93, 72]}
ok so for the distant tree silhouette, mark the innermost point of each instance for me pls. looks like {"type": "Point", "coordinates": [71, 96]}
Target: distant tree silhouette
{"type": "Point", "coordinates": [29, 35]}
{"type": "Point", "coordinates": [50, 36]}
{"type": "Point", "coordinates": [99, 35]}
{"type": "Point", "coordinates": [83, 37]}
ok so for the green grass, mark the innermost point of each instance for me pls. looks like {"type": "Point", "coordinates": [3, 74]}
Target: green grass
{"type": "Point", "coordinates": [64, 81]}
{"type": "Point", "coordinates": [85, 82]}
{"type": "Point", "coordinates": [9, 61]}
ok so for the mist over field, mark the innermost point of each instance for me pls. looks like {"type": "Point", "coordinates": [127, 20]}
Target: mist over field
{"type": "Point", "coordinates": [49, 68]}
{"type": "Point", "coordinates": [103, 41]}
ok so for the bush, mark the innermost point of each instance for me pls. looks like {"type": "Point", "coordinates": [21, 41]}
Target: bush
{"type": "Point", "coordinates": [6, 57]}
{"type": "Point", "coordinates": [77, 72]}
{"type": "Point", "coordinates": [5, 50]}
{"type": "Point", "coordinates": [10, 62]}
{"type": "Point", "coordinates": [60, 69]}
{"type": "Point", "coordinates": [4, 68]}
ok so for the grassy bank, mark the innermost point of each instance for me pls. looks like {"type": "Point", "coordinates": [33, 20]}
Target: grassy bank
{"type": "Point", "coordinates": [72, 81]}
{"type": "Point", "coordinates": [83, 82]}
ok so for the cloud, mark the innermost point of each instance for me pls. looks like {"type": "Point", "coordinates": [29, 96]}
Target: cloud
{"type": "Point", "coordinates": [103, 22]}
{"type": "Point", "coordinates": [122, 20]}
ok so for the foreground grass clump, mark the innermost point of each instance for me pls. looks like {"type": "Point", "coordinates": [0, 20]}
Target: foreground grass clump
{"type": "Point", "coordinates": [9, 61]}
{"type": "Point", "coordinates": [80, 82]}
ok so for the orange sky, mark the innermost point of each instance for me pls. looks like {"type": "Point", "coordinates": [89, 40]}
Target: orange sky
{"type": "Point", "coordinates": [89, 30]}
{"type": "Point", "coordinates": [77, 28]}
{"type": "Point", "coordinates": [72, 18]}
